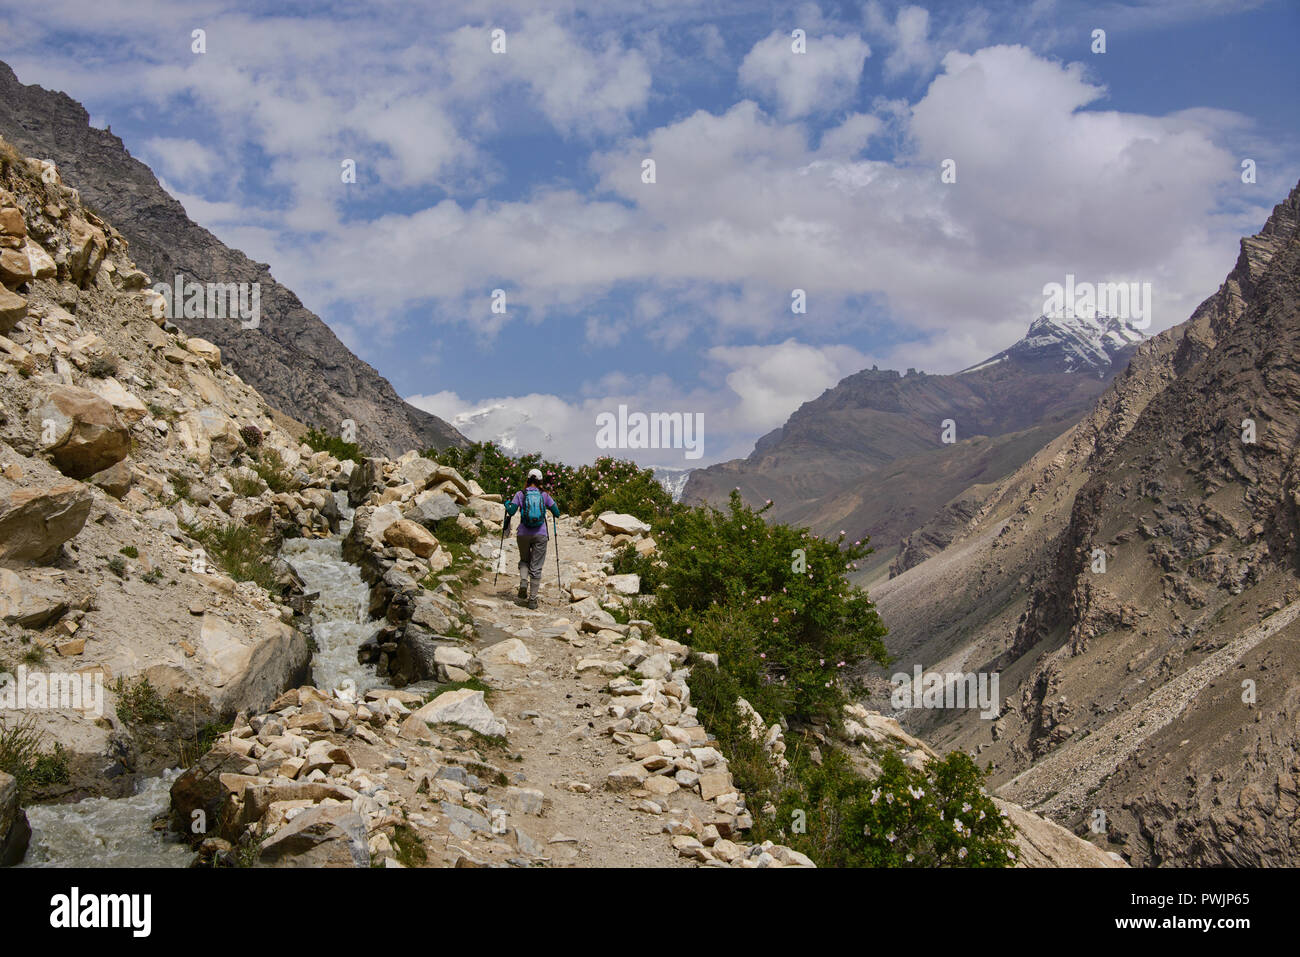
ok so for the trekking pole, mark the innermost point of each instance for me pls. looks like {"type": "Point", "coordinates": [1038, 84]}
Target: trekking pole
{"type": "Point", "coordinates": [555, 522]}
{"type": "Point", "coordinates": [501, 555]}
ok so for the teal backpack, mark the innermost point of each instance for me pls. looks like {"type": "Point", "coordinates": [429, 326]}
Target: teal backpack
{"type": "Point", "coordinates": [533, 514]}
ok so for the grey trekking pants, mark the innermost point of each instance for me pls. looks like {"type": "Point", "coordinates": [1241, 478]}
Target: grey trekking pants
{"type": "Point", "coordinates": [532, 559]}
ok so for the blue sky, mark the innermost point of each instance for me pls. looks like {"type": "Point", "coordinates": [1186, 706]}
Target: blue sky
{"type": "Point", "coordinates": [774, 171]}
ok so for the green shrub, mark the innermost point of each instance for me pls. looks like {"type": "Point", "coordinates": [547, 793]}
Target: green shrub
{"type": "Point", "coordinates": [408, 846]}
{"type": "Point", "coordinates": [792, 620]}
{"type": "Point", "coordinates": [140, 703]}
{"type": "Point", "coordinates": [324, 442]}
{"type": "Point", "coordinates": [774, 603]}
{"type": "Point", "coordinates": [22, 755]}
{"type": "Point", "coordinates": [130, 551]}
{"type": "Point", "coordinates": [905, 817]}
{"type": "Point", "coordinates": [240, 550]}
{"type": "Point", "coordinates": [246, 486]}
{"type": "Point", "coordinates": [271, 468]}
{"type": "Point", "coordinates": [181, 485]}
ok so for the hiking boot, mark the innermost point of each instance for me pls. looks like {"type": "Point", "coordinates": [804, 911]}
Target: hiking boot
{"type": "Point", "coordinates": [532, 603]}
{"type": "Point", "coordinates": [523, 592]}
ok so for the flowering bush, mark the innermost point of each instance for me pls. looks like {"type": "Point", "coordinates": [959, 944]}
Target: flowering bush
{"type": "Point", "coordinates": [772, 600]}
{"type": "Point", "coordinates": [938, 816]}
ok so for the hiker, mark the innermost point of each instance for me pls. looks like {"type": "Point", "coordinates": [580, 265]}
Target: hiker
{"type": "Point", "coordinates": [532, 505]}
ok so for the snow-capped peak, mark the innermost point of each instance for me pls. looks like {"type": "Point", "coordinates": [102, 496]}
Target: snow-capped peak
{"type": "Point", "coordinates": [1072, 344]}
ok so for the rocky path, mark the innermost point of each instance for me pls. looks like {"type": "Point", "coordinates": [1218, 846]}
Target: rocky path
{"type": "Point", "coordinates": [557, 715]}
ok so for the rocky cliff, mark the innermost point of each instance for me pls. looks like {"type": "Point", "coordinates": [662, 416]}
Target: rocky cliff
{"type": "Point", "coordinates": [291, 357]}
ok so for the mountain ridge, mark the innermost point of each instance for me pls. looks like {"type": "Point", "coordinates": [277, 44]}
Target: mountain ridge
{"type": "Point", "coordinates": [869, 457]}
{"type": "Point", "coordinates": [292, 358]}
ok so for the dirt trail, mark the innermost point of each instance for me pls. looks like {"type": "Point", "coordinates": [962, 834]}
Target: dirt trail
{"type": "Point", "coordinates": [556, 717]}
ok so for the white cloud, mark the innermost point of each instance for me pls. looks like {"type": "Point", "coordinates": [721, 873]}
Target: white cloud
{"type": "Point", "coordinates": [772, 381]}
{"type": "Point", "coordinates": [181, 159]}
{"type": "Point", "coordinates": [823, 78]}
{"type": "Point", "coordinates": [908, 36]}
{"type": "Point", "coordinates": [763, 386]}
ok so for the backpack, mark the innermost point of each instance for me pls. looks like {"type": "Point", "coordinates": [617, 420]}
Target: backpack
{"type": "Point", "coordinates": [533, 513]}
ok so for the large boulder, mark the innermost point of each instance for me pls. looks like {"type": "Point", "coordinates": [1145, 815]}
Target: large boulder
{"type": "Point", "coordinates": [43, 266]}
{"type": "Point", "coordinates": [326, 835]}
{"type": "Point", "coordinates": [14, 830]}
{"type": "Point", "coordinates": [116, 480]}
{"type": "Point", "coordinates": [464, 707]}
{"type": "Point", "coordinates": [429, 508]}
{"type": "Point", "coordinates": [13, 309]}
{"type": "Point", "coordinates": [376, 520]}
{"type": "Point", "coordinates": [80, 430]}
{"type": "Point", "coordinates": [365, 478]}
{"type": "Point", "coordinates": [15, 267]}
{"type": "Point", "coordinates": [619, 523]}
{"type": "Point", "coordinates": [29, 604]}
{"type": "Point", "coordinates": [417, 470]}
{"type": "Point", "coordinates": [88, 246]}
{"type": "Point", "coordinates": [427, 613]}
{"type": "Point", "coordinates": [588, 609]}
{"type": "Point", "coordinates": [129, 409]}
{"type": "Point", "coordinates": [13, 230]}
{"type": "Point", "coordinates": [624, 584]}
{"type": "Point", "coordinates": [199, 788]}
{"type": "Point", "coordinates": [205, 350]}
{"type": "Point", "coordinates": [491, 512]}
{"type": "Point", "coordinates": [404, 533]}
{"type": "Point", "coordinates": [236, 668]}
{"type": "Point", "coordinates": [210, 435]}
{"type": "Point", "coordinates": [35, 522]}
{"type": "Point", "coordinates": [446, 475]}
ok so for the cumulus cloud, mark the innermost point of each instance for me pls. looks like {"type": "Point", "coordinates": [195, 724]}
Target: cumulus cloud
{"type": "Point", "coordinates": [772, 381]}
{"type": "Point", "coordinates": [908, 36]}
{"type": "Point", "coordinates": [822, 78]}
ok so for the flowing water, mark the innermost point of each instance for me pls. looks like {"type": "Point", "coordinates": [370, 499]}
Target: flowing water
{"type": "Point", "coordinates": [118, 832]}
{"type": "Point", "coordinates": [340, 616]}
{"type": "Point", "coordinates": [107, 832]}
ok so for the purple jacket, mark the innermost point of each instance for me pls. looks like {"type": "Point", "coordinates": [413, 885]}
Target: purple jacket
{"type": "Point", "coordinates": [516, 503]}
